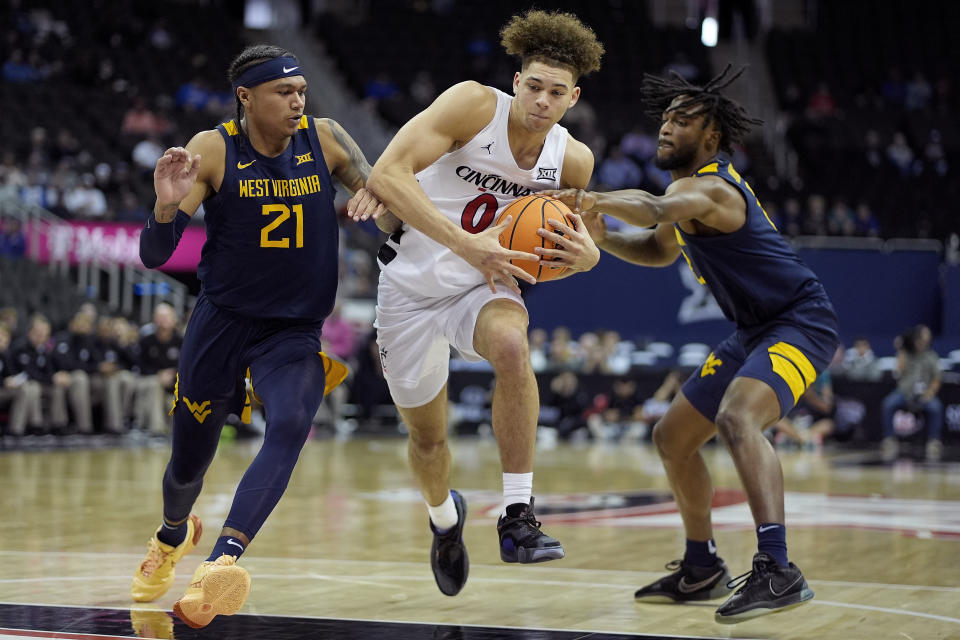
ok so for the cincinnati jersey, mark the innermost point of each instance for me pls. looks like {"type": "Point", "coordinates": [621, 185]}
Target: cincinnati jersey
{"type": "Point", "coordinates": [272, 232]}
{"type": "Point", "coordinates": [752, 272]}
{"type": "Point", "coordinates": [469, 186]}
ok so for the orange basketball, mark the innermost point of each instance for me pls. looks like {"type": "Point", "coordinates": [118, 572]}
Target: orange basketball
{"type": "Point", "coordinates": [529, 214]}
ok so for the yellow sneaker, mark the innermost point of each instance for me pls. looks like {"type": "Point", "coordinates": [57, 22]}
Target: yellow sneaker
{"type": "Point", "coordinates": [218, 588]}
{"type": "Point", "coordinates": [155, 574]}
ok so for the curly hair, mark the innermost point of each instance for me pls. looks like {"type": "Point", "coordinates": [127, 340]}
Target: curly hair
{"type": "Point", "coordinates": [554, 38]}
{"type": "Point", "coordinates": [252, 55]}
{"type": "Point", "coordinates": [732, 119]}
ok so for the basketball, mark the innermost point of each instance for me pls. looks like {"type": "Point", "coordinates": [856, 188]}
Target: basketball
{"type": "Point", "coordinates": [529, 214]}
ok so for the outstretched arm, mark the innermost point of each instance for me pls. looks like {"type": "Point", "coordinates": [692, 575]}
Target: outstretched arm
{"type": "Point", "coordinates": [709, 200]}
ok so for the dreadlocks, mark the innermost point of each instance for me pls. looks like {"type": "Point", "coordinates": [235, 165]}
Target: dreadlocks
{"type": "Point", "coordinates": [734, 122]}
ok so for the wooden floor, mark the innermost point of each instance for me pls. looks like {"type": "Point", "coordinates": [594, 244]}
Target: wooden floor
{"type": "Point", "coordinates": [879, 544]}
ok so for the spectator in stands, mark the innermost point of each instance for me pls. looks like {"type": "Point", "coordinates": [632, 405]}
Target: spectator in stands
{"type": "Point", "coordinates": [9, 318]}
{"type": "Point", "coordinates": [654, 407]}
{"type": "Point", "coordinates": [570, 401]}
{"type": "Point", "coordinates": [900, 154]}
{"type": "Point", "coordinates": [130, 208]}
{"type": "Point", "coordinates": [866, 222]}
{"type": "Point", "coordinates": [792, 218]}
{"type": "Point", "coordinates": [623, 414]}
{"type": "Point", "coordinates": [368, 388]}
{"type": "Point", "coordinates": [539, 350]}
{"type": "Point", "coordinates": [146, 153]}
{"type": "Point", "coordinates": [13, 242]}
{"type": "Point", "coordinates": [38, 192]}
{"type": "Point", "coordinates": [841, 220]}
{"type": "Point", "coordinates": [158, 353]}
{"type": "Point", "coordinates": [18, 391]}
{"type": "Point", "coordinates": [918, 382]}
{"type": "Point", "coordinates": [76, 355]}
{"type": "Point", "coordinates": [563, 351]}
{"type": "Point", "coordinates": [17, 69]}
{"type": "Point", "coordinates": [638, 145]}
{"type": "Point", "coordinates": [140, 121]}
{"type": "Point", "coordinates": [616, 354]}
{"type": "Point", "coordinates": [34, 359]}
{"type": "Point", "coordinates": [422, 89]}
{"type": "Point", "coordinates": [617, 171]}
{"type": "Point", "coordinates": [115, 342]}
{"type": "Point", "coordinates": [812, 419]}
{"type": "Point", "coordinates": [859, 362]}
{"type": "Point", "coordinates": [85, 200]}
{"type": "Point", "coordinates": [815, 221]}
{"type": "Point", "coordinates": [11, 175]}
{"type": "Point", "coordinates": [589, 358]}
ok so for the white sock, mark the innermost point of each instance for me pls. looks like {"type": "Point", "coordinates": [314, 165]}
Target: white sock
{"type": "Point", "coordinates": [517, 487]}
{"type": "Point", "coordinates": [444, 515]}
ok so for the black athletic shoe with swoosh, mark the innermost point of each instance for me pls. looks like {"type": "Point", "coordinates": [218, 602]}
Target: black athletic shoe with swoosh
{"type": "Point", "coordinates": [768, 588]}
{"type": "Point", "coordinates": [448, 554]}
{"type": "Point", "coordinates": [687, 583]}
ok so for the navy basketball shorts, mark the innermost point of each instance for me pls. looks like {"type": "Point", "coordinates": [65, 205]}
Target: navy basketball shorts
{"type": "Point", "coordinates": [218, 348]}
{"type": "Point", "coordinates": [788, 356]}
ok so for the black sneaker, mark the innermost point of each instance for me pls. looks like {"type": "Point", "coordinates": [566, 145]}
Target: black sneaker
{"type": "Point", "coordinates": [521, 539]}
{"type": "Point", "coordinates": [768, 588]}
{"type": "Point", "coordinates": [448, 554]}
{"type": "Point", "coordinates": [687, 583]}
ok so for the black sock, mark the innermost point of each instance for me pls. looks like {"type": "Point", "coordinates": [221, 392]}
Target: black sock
{"type": "Point", "coordinates": [701, 554]}
{"type": "Point", "coordinates": [772, 539]}
{"type": "Point", "coordinates": [228, 545]}
{"type": "Point", "coordinates": [172, 534]}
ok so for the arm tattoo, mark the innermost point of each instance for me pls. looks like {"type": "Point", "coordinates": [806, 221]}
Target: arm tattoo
{"type": "Point", "coordinates": [354, 174]}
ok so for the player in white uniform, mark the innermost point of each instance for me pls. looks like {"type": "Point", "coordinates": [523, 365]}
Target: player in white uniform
{"type": "Point", "coordinates": [446, 281]}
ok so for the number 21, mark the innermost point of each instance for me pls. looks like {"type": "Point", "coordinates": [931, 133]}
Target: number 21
{"type": "Point", "coordinates": [284, 211]}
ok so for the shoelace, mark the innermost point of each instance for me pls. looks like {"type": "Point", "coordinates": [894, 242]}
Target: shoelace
{"type": "Point", "coordinates": [748, 578]}
{"type": "Point", "coordinates": [526, 516]}
{"type": "Point", "coordinates": [152, 562]}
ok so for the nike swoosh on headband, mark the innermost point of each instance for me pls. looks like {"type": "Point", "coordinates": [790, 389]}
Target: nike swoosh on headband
{"type": "Point", "coordinates": [285, 70]}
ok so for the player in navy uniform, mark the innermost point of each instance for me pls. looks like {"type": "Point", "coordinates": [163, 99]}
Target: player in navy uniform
{"type": "Point", "coordinates": [269, 277]}
{"type": "Point", "coordinates": [786, 335]}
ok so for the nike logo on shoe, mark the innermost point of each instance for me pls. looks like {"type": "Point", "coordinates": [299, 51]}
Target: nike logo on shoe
{"type": "Point", "coordinates": [244, 166]}
{"type": "Point", "coordinates": [285, 70]}
{"type": "Point", "coordinates": [767, 528]}
{"type": "Point", "coordinates": [786, 588]}
{"type": "Point", "coordinates": [685, 587]}
{"type": "Point", "coordinates": [237, 544]}
{"type": "Point", "coordinates": [711, 547]}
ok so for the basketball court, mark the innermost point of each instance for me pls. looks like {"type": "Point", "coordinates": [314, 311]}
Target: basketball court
{"type": "Point", "coordinates": [346, 553]}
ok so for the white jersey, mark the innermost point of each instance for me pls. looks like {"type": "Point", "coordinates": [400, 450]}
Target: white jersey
{"type": "Point", "coordinates": [470, 186]}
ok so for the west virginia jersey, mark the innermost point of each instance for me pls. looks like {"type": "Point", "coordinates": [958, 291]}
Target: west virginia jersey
{"type": "Point", "coordinates": [272, 232]}
{"type": "Point", "coordinates": [786, 326]}
{"type": "Point", "coordinates": [752, 272]}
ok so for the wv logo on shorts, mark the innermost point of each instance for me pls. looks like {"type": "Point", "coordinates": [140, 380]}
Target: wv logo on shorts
{"type": "Point", "coordinates": [305, 157]}
{"type": "Point", "coordinates": [710, 366]}
{"type": "Point", "coordinates": [200, 410]}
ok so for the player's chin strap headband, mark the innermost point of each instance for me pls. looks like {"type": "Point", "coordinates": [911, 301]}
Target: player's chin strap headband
{"type": "Point", "coordinates": [268, 70]}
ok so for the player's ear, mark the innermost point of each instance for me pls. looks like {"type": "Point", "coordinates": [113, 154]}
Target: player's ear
{"type": "Point", "coordinates": [516, 82]}
{"type": "Point", "coordinates": [574, 96]}
{"type": "Point", "coordinates": [244, 95]}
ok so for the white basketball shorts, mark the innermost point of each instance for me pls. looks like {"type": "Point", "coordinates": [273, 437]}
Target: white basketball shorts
{"type": "Point", "coordinates": [415, 335]}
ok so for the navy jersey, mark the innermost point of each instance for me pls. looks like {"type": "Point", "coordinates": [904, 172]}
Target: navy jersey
{"type": "Point", "coordinates": [752, 272]}
{"type": "Point", "coordinates": [272, 232]}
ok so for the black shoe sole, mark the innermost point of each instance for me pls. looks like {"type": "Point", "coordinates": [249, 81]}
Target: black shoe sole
{"type": "Point", "coordinates": [767, 608]}
{"type": "Point", "coordinates": [719, 591]}
{"type": "Point", "coordinates": [524, 555]}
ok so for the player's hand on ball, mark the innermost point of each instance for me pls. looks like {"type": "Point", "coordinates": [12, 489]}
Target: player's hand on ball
{"type": "Point", "coordinates": [575, 248]}
{"type": "Point", "coordinates": [577, 200]}
{"type": "Point", "coordinates": [485, 253]}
